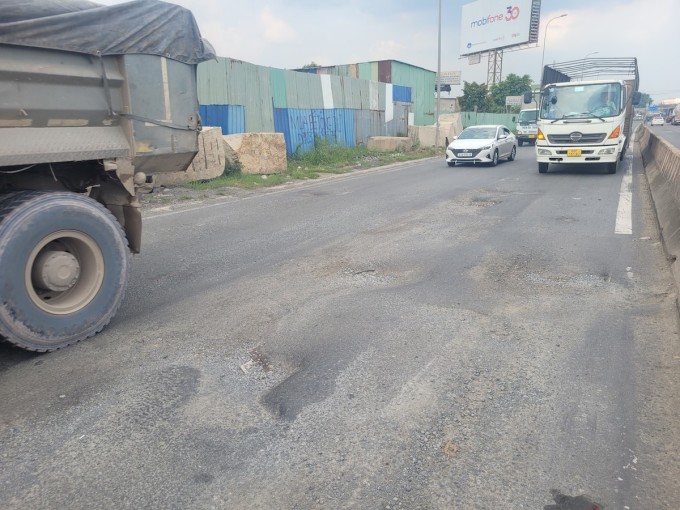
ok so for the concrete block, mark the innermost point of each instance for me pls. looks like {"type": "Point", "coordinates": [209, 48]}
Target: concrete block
{"type": "Point", "coordinates": [207, 164]}
{"type": "Point", "coordinates": [257, 153]}
{"type": "Point", "coordinates": [450, 125]}
{"type": "Point", "coordinates": [389, 143]}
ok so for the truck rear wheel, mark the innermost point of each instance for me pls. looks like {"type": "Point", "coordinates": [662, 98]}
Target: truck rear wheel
{"type": "Point", "coordinates": [64, 264]}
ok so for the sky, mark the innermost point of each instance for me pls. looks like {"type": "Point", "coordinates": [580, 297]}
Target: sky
{"type": "Point", "coordinates": [289, 34]}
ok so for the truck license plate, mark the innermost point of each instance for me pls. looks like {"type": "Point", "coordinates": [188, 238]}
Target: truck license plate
{"type": "Point", "coordinates": [573, 152]}
{"type": "Point", "coordinates": [464, 154]}
{"type": "Point", "coordinates": [532, 136]}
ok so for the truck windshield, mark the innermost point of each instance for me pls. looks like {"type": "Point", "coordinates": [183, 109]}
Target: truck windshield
{"type": "Point", "coordinates": [527, 116]}
{"type": "Point", "coordinates": [581, 101]}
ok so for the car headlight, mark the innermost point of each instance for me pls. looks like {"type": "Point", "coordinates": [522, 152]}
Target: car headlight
{"type": "Point", "coordinates": [485, 148]}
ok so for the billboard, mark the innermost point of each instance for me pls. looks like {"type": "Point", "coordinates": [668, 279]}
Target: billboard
{"type": "Point", "coordinates": [450, 78]}
{"type": "Point", "coordinates": [495, 24]}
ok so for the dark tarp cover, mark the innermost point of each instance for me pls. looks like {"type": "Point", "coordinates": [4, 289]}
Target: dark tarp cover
{"type": "Point", "coordinates": [142, 26]}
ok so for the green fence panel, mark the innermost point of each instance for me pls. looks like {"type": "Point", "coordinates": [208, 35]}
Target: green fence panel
{"type": "Point", "coordinates": [478, 119]}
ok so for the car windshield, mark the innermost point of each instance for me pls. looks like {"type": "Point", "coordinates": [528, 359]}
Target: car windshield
{"type": "Point", "coordinates": [581, 101]}
{"type": "Point", "coordinates": [478, 133]}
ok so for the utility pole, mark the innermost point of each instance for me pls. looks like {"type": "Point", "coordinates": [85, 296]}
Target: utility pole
{"type": "Point", "coordinates": [439, 74]}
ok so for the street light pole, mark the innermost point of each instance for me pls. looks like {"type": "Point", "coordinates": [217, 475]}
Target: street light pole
{"type": "Point", "coordinates": [545, 35]}
{"type": "Point", "coordinates": [439, 74]}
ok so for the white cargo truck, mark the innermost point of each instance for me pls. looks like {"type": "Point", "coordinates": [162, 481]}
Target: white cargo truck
{"type": "Point", "coordinates": [583, 120]}
{"type": "Point", "coordinates": [526, 126]}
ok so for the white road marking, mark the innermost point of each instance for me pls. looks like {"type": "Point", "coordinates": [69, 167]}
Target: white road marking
{"type": "Point", "coordinates": [624, 212]}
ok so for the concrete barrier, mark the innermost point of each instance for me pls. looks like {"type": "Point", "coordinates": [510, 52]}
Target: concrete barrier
{"type": "Point", "coordinates": [662, 166]}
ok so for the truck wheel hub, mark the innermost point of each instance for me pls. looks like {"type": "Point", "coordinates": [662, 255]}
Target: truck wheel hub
{"type": "Point", "coordinates": [56, 271]}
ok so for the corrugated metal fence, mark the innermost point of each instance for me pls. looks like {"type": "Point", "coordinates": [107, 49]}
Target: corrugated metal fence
{"type": "Point", "coordinates": [240, 97]}
{"type": "Point", "coordinates": [478, 119]}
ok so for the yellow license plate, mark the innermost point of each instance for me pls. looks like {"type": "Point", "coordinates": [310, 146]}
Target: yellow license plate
{"type": "Point", "coordinates": [531, 136]}
{"type": "Point", "coordinates": [573, 152]}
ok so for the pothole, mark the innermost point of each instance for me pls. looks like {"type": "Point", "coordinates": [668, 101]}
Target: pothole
{"type": "Point", "coordinates": [258, 362]}
{"type": "Point", "coordinates": [483, 202]}
{"type": "Point", "coordinates": [367, 276]}
{"type": "Point", "coordinates": [581, 281]}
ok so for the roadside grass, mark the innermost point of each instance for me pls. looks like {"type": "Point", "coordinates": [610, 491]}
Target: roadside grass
{"type": "Point", "coordinates": [325, 158]}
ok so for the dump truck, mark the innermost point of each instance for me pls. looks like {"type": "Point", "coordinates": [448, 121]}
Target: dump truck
{"type": "Point", "coordinates": [676, 115]}
{"type": "Point", "coordinates": [94, 100]}
{"type": "Point", "coordinates": [582, 120]}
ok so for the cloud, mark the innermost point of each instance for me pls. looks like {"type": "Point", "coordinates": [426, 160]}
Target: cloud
{"type": "Point", "coordinates": [276, 30]}
{"type": "Point", "coordinates": [386, 50]}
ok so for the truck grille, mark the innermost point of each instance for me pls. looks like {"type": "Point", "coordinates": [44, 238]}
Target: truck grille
{"type": "Point", "coordinates": [570, 139]}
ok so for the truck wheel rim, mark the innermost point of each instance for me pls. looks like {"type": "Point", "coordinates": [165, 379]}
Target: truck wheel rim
{"type": "Point", "coordinates": [64, 272]}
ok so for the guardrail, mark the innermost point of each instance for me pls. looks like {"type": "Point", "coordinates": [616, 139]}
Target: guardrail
{"type": "Point", "coordinates": [662, 166]}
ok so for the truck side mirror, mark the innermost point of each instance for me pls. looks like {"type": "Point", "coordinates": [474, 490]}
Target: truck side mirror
{"type": "Point", "coordinates": [528, 97]}
{"type": "Point", "coordinates": [636, 98]}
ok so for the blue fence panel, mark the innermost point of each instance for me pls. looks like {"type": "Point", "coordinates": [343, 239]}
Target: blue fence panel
{"type": "Point", "coordinates": [401, 94]}
{"type": "Point", "coordinates": [231, 118]}
{"type": "Point", "coordinates": [300, 127]}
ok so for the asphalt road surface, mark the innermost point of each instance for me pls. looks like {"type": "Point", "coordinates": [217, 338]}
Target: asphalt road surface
{"type": "Point", "coordinates": [415, 336]}
{"type": "Point", "coordinates": [668, 132]}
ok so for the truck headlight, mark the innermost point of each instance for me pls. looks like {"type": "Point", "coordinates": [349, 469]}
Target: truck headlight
{"type": "Point", "coordinates": [610, 150]}
{"type": "Point", "coordinates": [544, 152]}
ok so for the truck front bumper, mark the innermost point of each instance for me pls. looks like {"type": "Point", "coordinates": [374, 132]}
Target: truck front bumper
{"type": "Point", "coordinates": [580, 155]}
{"type": "Point", "coordinates": [527, 137]}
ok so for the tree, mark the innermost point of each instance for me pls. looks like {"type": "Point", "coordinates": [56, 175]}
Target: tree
{"type": "Point", "coordinates": [475, 95]}
{"type": "Point", "coordinates": [645, 100]}
{"type": "Point", "coordinates": [513, 85]}
{"type": "Point", "coordinates": [311, 65]}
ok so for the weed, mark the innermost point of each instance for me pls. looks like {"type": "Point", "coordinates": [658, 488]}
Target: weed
{"type": "Point", "coordinates": [324, 158]}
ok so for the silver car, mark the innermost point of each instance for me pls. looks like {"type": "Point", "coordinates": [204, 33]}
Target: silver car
{"type": "Point", "coordinates": [482, 144]}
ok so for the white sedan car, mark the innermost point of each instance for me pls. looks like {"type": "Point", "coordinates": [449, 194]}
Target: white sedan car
{"type": "Point", "coordinates": [657, 121]}
{"type": "Point", "coordinates": [482, 144]}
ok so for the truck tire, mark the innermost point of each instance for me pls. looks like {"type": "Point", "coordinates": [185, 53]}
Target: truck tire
{"type": "Point", "coordinates": [520, 142]}
{"type": "Point", "coordinates": [611, 167]}
{"type": "Point", "coordinates": [543, 168]}
{"type": "Point", "coordinates": [64, 263]}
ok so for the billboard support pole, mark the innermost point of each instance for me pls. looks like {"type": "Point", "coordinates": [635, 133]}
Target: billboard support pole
{"type": "Point", "coordinates": [495, 68]}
